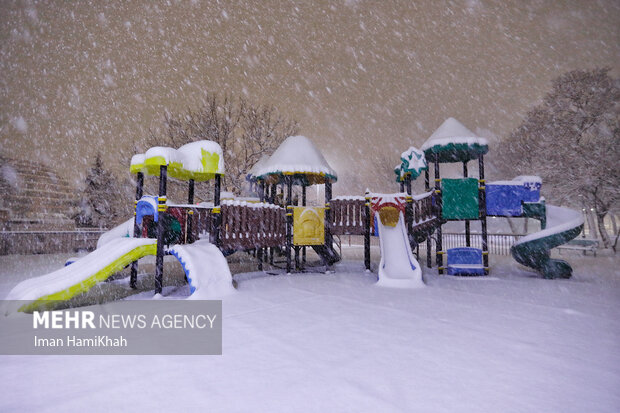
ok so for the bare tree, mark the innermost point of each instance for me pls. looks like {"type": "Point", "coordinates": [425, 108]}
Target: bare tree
{"type": "Point", "coordinates": [572, 140]}
{"type": "Point", "coordinates": [244, 131]}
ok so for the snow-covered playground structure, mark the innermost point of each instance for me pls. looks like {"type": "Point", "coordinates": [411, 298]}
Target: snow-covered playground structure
{"type": "Point", "coordinates": [201, 235]}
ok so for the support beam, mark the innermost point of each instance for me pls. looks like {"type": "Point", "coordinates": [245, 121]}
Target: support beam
{"type": "Point", "coordinates": [303, 203]}
{"type": "Point", "coordinates": [467, 225]}
{"type": "Point", "coordinates": [288, 179]}
{"type": "Point", "coordinates": [261, 190]}
{"type": "Point", "coordinates": [439, 245]}
{"type": "Point", "coordinates": [190, 213]}
{"type": "Point", "coordinates": [367, 232]}
{"type": "Point", "coordinates": [217, 211]}
{"type": "Point", "coordinates": [133, 279]}
{"type": "Point", "coordinates": [260, 253]}
{"type": "Point", "coordinates": [409, 212]}
{"type": "Point", "coordinates": [427, 187]}
{"type": "Point", "coordinates": [482, 199]}
{"type": "Point", "coordinates": [328, 228]}
{"type": "Point", "coordinates": [161, 208]}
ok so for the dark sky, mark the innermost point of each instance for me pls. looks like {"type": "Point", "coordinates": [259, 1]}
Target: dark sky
{"type": "Point", "coordinates": [365, 79]}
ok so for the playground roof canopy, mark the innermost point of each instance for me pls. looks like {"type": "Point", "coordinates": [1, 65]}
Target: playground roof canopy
{"type": "Point", "coordinates": [257, 166]}
{"type": "Point", "coordinates": [200, 161]}
{"type": "Point", "coordinates": [413, 162]}
{"type": "Point", "coordinates": [298, 157]}
{"type": "Point", "coordinates": [453, 142]}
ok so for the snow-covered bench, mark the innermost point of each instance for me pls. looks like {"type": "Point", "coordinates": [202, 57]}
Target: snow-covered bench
{"type": "Point", "coordinates": [580, 244]}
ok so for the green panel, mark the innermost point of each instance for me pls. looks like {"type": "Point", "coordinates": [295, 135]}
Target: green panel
{"type": "Point", "coordinates": [459, 198]}
{"type": "Point", "coordinates": [536, 210]}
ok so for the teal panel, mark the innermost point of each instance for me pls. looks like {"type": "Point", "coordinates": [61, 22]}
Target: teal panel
{"type": "Point", "coordinates": [459, 198]}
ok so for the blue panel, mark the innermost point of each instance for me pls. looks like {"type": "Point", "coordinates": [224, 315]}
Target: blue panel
{"type": "Point", "coordinates": [466, 256]}
{"type": "Point", "coordinates": [504, 200]}
{"type": "Point", "coordinates": [531, 191]}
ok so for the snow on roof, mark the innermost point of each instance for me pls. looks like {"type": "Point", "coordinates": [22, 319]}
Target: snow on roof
{"type": "Point", "coordinates": [257, 166]}
{"type": "Point", "coordinates": [296, 155]}
{"type": "Point", "coordinates": [528, 178]}
{"type": "Point", "coordinates": [453, 142]}
{"type": "Point", "coordinates": [199, 160]}
{"type": "Point", "coordinates": [196, 157]}
{"type": "Point", "coordinates": [452, 131]}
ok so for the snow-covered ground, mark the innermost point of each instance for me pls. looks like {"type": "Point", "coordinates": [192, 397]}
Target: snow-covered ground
{"type": "Point", "coordinates": [510, 342]}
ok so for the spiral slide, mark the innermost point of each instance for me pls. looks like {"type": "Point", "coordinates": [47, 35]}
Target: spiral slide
{"type": "Point", "coordinates": [398, 267]}
{"type": "Point", "coordinates": [83, 274]}
{"type": "Point", "coordinates": [534, 250]}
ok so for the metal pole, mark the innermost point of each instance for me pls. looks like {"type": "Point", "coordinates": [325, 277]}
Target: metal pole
{"type": "Point", "coordinates": [467, 227]}
{"type": "Point", "coordinates": [288, 179]}
{"type": "Point", "coordinates": [303, 203]}
{"type": "Point", "coordinates": [190, 213]}
{"type": "Point", "coordinates": [133, 279]}
{"type": "Point", "coordinates": [427, 187]}
{"type": "Point", "coordinates": [367, 232]}
{"type": "Point", "coordinates": [328, 233]}
{"type": "Point", "coordinates": [483, 214]}
{"type": "Point", "coordinates": [261, 190]}
{"type": "Point", "coordinates": [409, 212]}
{"type": "Point", "coordinates": [439, 246]}
{"type": "Point", "coordinates": [161, 208]}
{"type": "Point", "coordinates": [217, 211]}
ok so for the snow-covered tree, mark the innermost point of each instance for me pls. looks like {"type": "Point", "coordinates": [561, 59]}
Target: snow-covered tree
{"type": "Point", "coordinates": [572, 140]}
{"type": "Point", "coordinates": [103, 200]}
{"type": "Point", "coordinates": [245, 132]}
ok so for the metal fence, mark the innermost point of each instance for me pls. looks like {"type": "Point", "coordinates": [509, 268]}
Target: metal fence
{"type": "Point", "coordinates": [499, 244]}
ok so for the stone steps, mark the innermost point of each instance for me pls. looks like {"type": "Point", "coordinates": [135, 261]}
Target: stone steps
{"type": "Point", "coordinates": [32, 224]}
{"type": "Point", "coordinates": [47, 186]}
{"type": "Point", "coordinates": [38, 199]}
{"type": "Point", "coordinates": [25, 165]}
{"type": "Point", "coordinates": [44, 195]}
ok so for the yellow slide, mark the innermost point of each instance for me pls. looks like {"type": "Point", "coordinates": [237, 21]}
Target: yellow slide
{"type": "Point", "coordinates": [83, 274]}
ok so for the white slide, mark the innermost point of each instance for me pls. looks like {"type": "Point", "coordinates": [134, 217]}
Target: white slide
{"type": "Point", "coordinates": [398, 267]}
{"type": "Point", "coordinates": [84, 273]}
{"type": "Point", "coordinates": [206, 269]}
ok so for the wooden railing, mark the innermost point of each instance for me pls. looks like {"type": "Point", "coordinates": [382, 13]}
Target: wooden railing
{"type": "Point", "coordinates": [423, 209]}
{"type": "Point", "coordinates": [248, 226]}
{"type": "Point", "coordinates": [347, 217]}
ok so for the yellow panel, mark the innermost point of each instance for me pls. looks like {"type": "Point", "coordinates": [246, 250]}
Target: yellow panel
{"type": "Point", "coordinates": [210, 161]}
{"type": "Point", "coordinates": [134, 169]}
{"type": "Point", "coordinates": [308, 226]}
